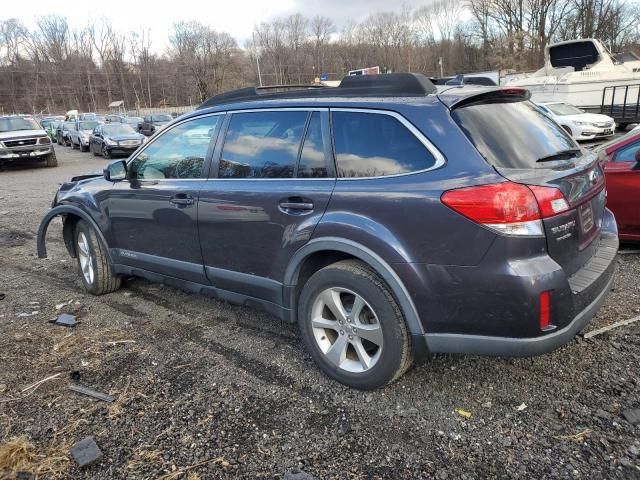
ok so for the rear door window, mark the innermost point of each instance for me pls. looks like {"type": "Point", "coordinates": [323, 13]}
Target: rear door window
{"type": "Point", "coordinates": [512, 134]}
{"type": "Point", "coordinates": [376, 145]}
{"type": "Point", "coordinates": [262, 144]}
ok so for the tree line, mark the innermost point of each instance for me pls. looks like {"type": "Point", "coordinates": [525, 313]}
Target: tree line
{"type": "Point", "coordinates": [54, 67]}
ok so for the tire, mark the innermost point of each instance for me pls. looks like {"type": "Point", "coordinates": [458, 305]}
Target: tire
{"type": "Point", "coordinates": [83, 148]}
{"type": "Point", "coordinates": [96, 273]}
{"type": "Point", "coordinates": [363, 363]}
{"type": "Point", "coordinates": [73, 144]}
{"type": "Point", "coordinates": [51, 160]}
{"type": "Point", "coordinates": [105, 151]}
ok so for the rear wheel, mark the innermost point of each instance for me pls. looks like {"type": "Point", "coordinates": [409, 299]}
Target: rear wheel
{"type": "Point", "coordinates": [353, 327]}
{"type": "Point", "coordinates": [83, 148]}
{"type": "Point", "coordinates": [95, 270]}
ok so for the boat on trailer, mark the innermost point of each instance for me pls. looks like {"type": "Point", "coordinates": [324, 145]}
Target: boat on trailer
{"type": "Point", "coordinates": [584, 73]}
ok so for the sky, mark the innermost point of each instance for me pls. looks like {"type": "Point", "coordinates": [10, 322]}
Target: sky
{"type": "Point", "coordinates": [236, 17]}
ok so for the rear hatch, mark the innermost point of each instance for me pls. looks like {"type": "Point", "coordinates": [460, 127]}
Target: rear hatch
{"type": "Point", "coordinates": [526, 146]}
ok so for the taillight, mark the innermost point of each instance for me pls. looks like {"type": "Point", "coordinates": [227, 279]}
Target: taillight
{"type": "Point", "coordinates": [550, 200]}
{"type": "Point", "coordinates": [509, 208]}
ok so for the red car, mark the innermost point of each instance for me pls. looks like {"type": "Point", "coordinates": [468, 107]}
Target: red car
{"type": "Point", "coordinates": [621, 160]}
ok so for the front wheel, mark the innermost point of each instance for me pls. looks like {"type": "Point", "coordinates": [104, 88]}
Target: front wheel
{"type": "Point", "coordinates": [95, 270]}
{"type": "Point", "coordinates": [51, 160]}
{"type": "Point", "coordinates": [105, 151]}
{"type": "Point", "coordinates": [353, 327]}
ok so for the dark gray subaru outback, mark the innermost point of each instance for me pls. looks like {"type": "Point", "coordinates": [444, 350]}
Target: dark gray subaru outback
{"type": "Point", "coordinates": [389, 221]}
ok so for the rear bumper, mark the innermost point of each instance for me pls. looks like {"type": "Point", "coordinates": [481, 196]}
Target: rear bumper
{"type": "Point", "coordinates": [493, 308]}
{"type": "Point", "coordinates": [517, 347]}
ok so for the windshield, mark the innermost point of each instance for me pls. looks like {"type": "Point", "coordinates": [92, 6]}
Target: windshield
{"type": "Point", "coordinates": [10, 124]}
{"type": "Point", "coordinates": [117, 130]}
{"type": "Point", "coordinates": [161, 118]}
{"type": "Point", "coordinates": [133, 120]}
{"type": "Point", "coordinates": [512, 135]}
{"type": "Point", "coordinates": [85, 126]}
{"type": "Point", "coordinates": [564, 109]}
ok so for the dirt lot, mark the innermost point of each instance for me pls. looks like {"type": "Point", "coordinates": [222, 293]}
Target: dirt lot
{"type": "Point", "coordinates": [208, 390]}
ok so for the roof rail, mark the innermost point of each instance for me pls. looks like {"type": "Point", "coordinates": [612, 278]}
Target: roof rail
{"type": "Point", "coordinates": [385, 85]}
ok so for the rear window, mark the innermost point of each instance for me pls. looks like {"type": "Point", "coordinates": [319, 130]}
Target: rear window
{"type": "Point", "coordinates": [512, 135]}
{"type": "Point", "coordinates": [376, 145]}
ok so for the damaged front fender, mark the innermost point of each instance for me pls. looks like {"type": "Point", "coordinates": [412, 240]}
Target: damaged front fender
{"type": "Point", "coordinates": [65, 210]}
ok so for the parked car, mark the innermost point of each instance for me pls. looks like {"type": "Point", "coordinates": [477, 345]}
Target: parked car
{"type": "Point", "coordinates": [114, 139]}
{"type": "Point", "coordinates": [87, 116]}
{"type": "Point", "coordinates": [154, 123]}
{"type": "Point", "coordinates": [135, 122]}
{"type": "Point", "coordinates": [580, 125]}
{"type": "Point", "coordinates": [62, 133]}
{"type": "Point", "coordinates": [22, 138]}
{"type": "Point", "coordinates": [79, 136]}
{"type": "Point", "coordinates": [621, 160]}
{"type": "Point", "coordinates": [464, 222]}
{"type": "Point", "coordinates": [50, 125]}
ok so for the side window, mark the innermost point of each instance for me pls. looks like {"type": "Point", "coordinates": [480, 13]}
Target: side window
{"type": "Point", "coordinates": [262, 144]}
{"type": "Point", "coordinates": [375, 145]}
{"type": "Point", "coordinates": [312, 162]}
{"type": "Point", "coordinates": [178, 153]}
{"type": "Point", "coordinates": [627, 154]}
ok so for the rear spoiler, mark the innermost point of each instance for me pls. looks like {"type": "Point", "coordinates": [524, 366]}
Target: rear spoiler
{"type": "Point", "coordinates": [479, 96]}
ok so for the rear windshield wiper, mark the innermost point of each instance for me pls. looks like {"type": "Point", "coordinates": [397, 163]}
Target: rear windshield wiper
{"type": "Point", "coordinates": [561, 155]}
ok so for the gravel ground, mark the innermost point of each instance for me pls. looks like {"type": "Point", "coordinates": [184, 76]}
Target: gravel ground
{"type": "Point", "coordinates": [204, 389]}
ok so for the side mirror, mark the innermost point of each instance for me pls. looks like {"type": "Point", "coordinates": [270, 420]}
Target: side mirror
{"type": "Point", "coordinates": [116, 171]}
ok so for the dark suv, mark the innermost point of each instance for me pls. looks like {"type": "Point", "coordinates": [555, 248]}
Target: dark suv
{"type": "Point", "coordinates": [388, 221]}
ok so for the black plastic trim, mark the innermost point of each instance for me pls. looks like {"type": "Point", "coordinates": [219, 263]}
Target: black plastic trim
{"type": "Point", "coordinates": [41, 246]}
{"type": "Point", "coordinates": [367, 256]}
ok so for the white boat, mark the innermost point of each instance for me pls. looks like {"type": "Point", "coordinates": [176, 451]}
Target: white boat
{"type": "Point", "coordinates": [579, 71]}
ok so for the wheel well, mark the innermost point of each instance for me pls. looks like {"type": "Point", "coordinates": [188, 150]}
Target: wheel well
{"type": "Point", "coordinates": [315, 262]}
{"type": "Point", "coordinates": [70, 221]}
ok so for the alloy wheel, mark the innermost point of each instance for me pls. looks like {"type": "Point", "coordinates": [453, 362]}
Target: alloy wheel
{"type": "Point", "coordinates": [346, 329]}
{"type": "Point", "coordinates": [85, 257]}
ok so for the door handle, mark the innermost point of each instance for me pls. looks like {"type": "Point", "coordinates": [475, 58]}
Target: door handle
{"type": "Point", "coordinates": [182, 199]}
{"type": "Point", "coordinates": [295, 204]}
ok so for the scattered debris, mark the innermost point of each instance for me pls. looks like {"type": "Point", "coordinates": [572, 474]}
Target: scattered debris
{"type": "Point", "coordinates": [521, 407]}
{"type": "Point", "coordinates": [66, 320]}
{"type": "Point", "coordinates": [118, 342]}
{"type": "Point", "coordinates": [91, 393]}
{"type": "Point", "coordinates": [25, 314]}
{"type": "Point", "coordinates": [3, 387]}
{"type": "Point", "coordinates": [75, 375]}
{"type": "Point", "coordinates": [86, 452]}
{"type": "Point", "coordinates": [578, 437]}
{"type": "Point", "coordinates": [179, 472]}
{"type": "Point", "coordinates": [632, 415]}
{"type": "Point", "coordinates": [599, 331]}
{"type": "Point", "coordinates": [2, 296]}
{"type": "Point", "coordinates": [628, 252]}
{"type": "Point", "coordinates": [37, 384]}
{"type": "Point", "coordinates": [30, 389]}
{"type": "Point", "coordinates": [463, 413]}
{"type": "Point", "coordinates": [297, 474]}
{"type": "Point", "coordinates": [64, 304]}
{"type": "Point", "coordinates": [487, 404]}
